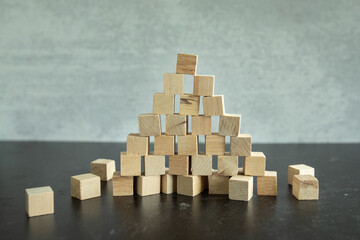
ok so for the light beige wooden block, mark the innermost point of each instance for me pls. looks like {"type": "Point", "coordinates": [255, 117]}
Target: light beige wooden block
{"type": "Point", "coordinates": [204, 85]}
{"type": "Point", "coordinates": [187, 145]}
{"type": "Point", "coordinates": [168, 183]}
{"type": "Point", "coordinates": [240, 145]}
{"type": "Point", "coordinates": [229, 125]}
{"type": "Point", "coordinates": [218, 184]}
{"type": "Point", "coordinates": [189, 104]}
{"type": "Point", "coordinates": [173, 83]}
{"type": "Point", "coordinates": [154, 165]}
{"type": "Point", "coordinates": [299, 169]}
{"type": "Point", "coordinates": [201, 165]}
{"type": "Point", "coordinates": [104, 168]}
{"type": "Point", "coordinates": [201, 125]}
{"type": "Point", "coordinates": [305, 187]}
{"type": "Point", "coordinates": [190, 185]}
{"type": "Point", "coordinates": [267, 185]}
{"type": "Point", "coordinates": [164, 145]}
{"type": "Point", "coordinates": [137, 145]}
{"type": "Point", "coordinates": [148, 185]}
{"type": "Point", "coordinates": [149, 125]}
{"type": "Point", "coordinates": [130, 165]}
{"type": "Point", "coordinates": [163, 103]}
{"type": "Point", "coordinates": [85, 186]}
{"type": "Point", "coordinates": [122, 186]}
{"type": "Point", "coordinates": [186, 64]}
{"type": "Point", "coordinates": [254, 165]}
{"type": "Point", "coordinates": [39, 201]}
{"type": "Point", "coordinates": [179, 165]}
{"type": "Point", "coordinates": [176, 124]}
{"type": "Point", "coordinates": [228, 165]}
{"type": "Point", "coordinates": [241, 188]}
{"type": "Point", "coordinates": [214, 144]}
{"type": "Point", "coordinates": [214, 105]}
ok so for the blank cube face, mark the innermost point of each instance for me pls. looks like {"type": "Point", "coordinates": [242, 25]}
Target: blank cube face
{"type": "Point", "coordinates": [149, 125]}
{"type": "Point", "coordinates": [229, 125]}
{"type": "Point", "coordinates": [176, 125]}
{"type": "Point", "coordinates": [299, 169]}
{"type": "Point", "coordinates": [137, 145]}
{"type": "Point", "coordinates": [148, 185]}
{"type": "Point", "coordinates": [204, 85]}
{"type": "Point", "coordinates": [305, 187]}
{"type": "Point", "coordinates": [122, 186]}
{"type": "Point", "coordinates": [228, 165]}
{"type": "Point", "coordinates": [214, 145]}
{"type": "Point", "coordinates": [267, 185]}
{"type": "Point", "coordinates": [201, 125]}
{"type": "Point", "coordinates": [254, 165]}
{"type": "Point", "coordinates": [201, 165]}
{"type": "Point", "coordinates": [214, 106]}
{"type": "Point", "coordinates": [187, 145]}
{"type": "Point", "coordinates": [173, 83]}
{"type": "Point", "coordinates": [186, 64]}
{"type": "Point", "coordinates": [164, 145]}
{"type": "Point", "coordinates": [130, 165]}
{"type": "Point", "coordinates": [163, 104]}
{"type": "Point", "coordinates": [218, 184]}
{"type": "Point", "coordinates": [179, 165]}
{"type": "Point", "coordinates": [190, 185]}
{"type": "Point", "coordinates": [39, 201]}
{"type": "Point", "coordinates": [240, 145]}
{"type": "Point", "coordinates": [168, 183]}
{"type": "Point", "coordinates": [85, 186]}
{"type": "Point", "coordinates": [189, 104]}
{"type": "Point", "coordinates": [104, 168]}
{"type": "Point", "coordinates": [241, 188]}
{"type": "Point", "coordinates": [154, 165]}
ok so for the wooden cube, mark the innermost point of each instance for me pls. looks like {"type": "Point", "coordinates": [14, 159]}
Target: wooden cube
{"type": "Point", "coordinates": [229, 125]}
{"type": "Point", "coordinates": [187, 145]}
{"type": "Point", "coordinates": [122, 186]}
{"type": "Point", "coordinates": [254, 165]}
{"type": "Point", "coordinates": [164, 145]}
{"type": "Point", "coordinates": [148, 185]}
{"type": "Point", "coordinates": [267, 185]}
{"type": "Point", "coordinates": [240, 171]}
{"type": "Point", "coordinates": [190, 185]}
{"type": "Point", "coordinates": [186, 64]}
{"type": "Point", "coordinates": [137, 145]}
{"type": "Point", "coordinates": [305, 187]}
{"type": "Point", "coordinates": [299, 169]}
{"type": "Point", "coordinates": [214, 144]}
{"type": "Point", "coordinates": [201, 165]}
{"type": "Point", "coordinates": [228, 165]}
{"type": "Point", "coordinates": [241, 188]}
{"type": "Point", "coordinates": [204, 85]}
{"type": "Point", "coordinates": [176, 124]}
{"type": "Point", "coordinates": [201, 125]}
{"type": "Point", "coordinates": [189, 104]}
{"type": "Point", "coordinates": [154, 165]}
{"type": "Point", "coordinates": [168, 183]}
{"type": "Point", "coordinates": [104, 168]}
{"type": "Point", "coordinates": [85, 186]}
{"type": "Point", "coordinates": [163, 103]}
{"type": "Point", "coordinates": [240, 145]}
{"type": "Point", "coordinates": [173, 83]}
{"type": "Point", "coordinates": [214, 105]}
{"type": "Point", "coordinates": [218, 184]}
{"type": "Point", "coordinates": [179, 165]}
{"type": "Point", "coordinates": [39, 201]}
{"type": "Point", "coordinates": [149, 125]}
{"type": "Point", "coordinates": [130, 165]}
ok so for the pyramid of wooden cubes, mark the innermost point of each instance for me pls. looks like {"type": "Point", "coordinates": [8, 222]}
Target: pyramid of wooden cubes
{"type": "Point", "coordinates": [190, 172]}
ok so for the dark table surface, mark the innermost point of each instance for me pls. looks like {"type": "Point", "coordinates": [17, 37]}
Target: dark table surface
{"type": "Point", "coordinates": [32, 164]}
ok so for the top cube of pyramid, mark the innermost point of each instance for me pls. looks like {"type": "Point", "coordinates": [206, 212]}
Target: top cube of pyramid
{"type": "Point", "coordinates": [186, 64]}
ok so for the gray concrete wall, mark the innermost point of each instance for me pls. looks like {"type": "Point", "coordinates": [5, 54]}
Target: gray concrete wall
{"type": "Point", "coordinates": [84, 70]}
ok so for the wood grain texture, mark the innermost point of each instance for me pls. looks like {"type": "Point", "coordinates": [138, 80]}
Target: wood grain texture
{"type": "Point", "coordinates": [240, 145]}
{"type": "Point", "coordinates": [137, 145]}
{"type": "Point", "coordinates": [149, 125]}
{"type": "Point", "coordinates": [204, 85]}
{"type": "Point", "coordinates": [305, 187]}
{"type": "Point", "coordinates": [122, 186]}
{"type": "Point", "coordinates": [241, 188]}
{"type": "Point", "coordinates": [187, 145]}
{"type": "Point", "coordinates": [189, 104]}
{"type": "Point", "coordinates": [214, 144]}
{"type": "Point", "coordinates": [254, 165]}
{"type": "Point", "coordinates": [179, 165]}
{"type": "Point", "coordinates": [173, 83]}
{"type": "Point", "coordinates": [201, 165]}
{"type": "Point", "coordinates": [190, 185]}
{"type": "Point", "coordinates": [130, 165]}
{"type": "Point", "coordinates": [214, 105]}
{"type": "Point", "coordinates": [104, 168]}
{"type": "Point", "coordinates": [201, 125]}
{"type": "Point", "coordinates": [267, 185]}
{"type": "Point", "coordinates": [228, 165]}
{"type": "Point", "coordinates": [154, 165]}
{"type": "Point", "coordinates": [39, 201]}
{"type": "Point", "coordinates": [148, 185]}
{"type": "Point", "coordinates": [218, 184]}
{"type": "Point", "coordinates": [164, 145]}
{"type": "Point", "coordinates": [299, 169]}
{"type": "Point", "coordinates": [85, 186]}
{"type": "Point", "coordinates": [168, 183]}
{"type": "Point", "coordinates": [163, 103]}
{"type": "Point", "coordinates": [229, 125]}
{"type": "Point", "coordinates": [186, 64]}
{"type": "Point", "coordinates": [176, 124]}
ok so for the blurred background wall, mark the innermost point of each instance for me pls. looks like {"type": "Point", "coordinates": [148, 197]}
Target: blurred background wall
{"type": "Point", "coordinates": [84, 70]}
